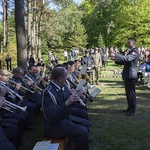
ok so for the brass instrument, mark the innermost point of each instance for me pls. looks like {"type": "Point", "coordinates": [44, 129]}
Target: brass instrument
{"type": "Point", "coordinates": [11, 92]}
{"type": "Point", "coordinates": [13, 83]}
{"type": "Point", "coordinates": [84, 74]}
{"type": "Point", "coordinates": [43, 82]}
{"type": "Point", "coordinates": [12, 107]}
{"type": "Point", "coordinates": [86, 77]}
{"type": "Point", "coordinates": [32, 84]}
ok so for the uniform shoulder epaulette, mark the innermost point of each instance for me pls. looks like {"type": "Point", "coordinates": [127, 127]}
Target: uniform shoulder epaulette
{"type": "Point", "coordinates": [48, 88]}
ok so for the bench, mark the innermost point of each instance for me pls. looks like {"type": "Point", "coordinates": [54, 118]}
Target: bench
{"type": "Point", "coordinates": [62, 142]}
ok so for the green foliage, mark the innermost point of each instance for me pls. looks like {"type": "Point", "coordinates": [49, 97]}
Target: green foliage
{"type": "Point", "coordinates": [116, 20]}
{"type": "Point", "coordinates": [64, 29]}
{"type": "Point", "coordinates": [44, 47]}
{"type": "Point", "coordinates": [100, 41]}
{"type": "Point", "coordinates": [1, 31]}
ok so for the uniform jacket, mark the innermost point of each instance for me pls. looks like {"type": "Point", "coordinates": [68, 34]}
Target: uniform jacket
{"type": "Point", "coordinates": [87, 60]}
{"type": "Point", "coordinates": [130, 62]}
{"type": "Point", "coordinates": [57, 120]}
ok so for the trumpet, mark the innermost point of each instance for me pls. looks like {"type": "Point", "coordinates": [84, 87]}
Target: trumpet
{"type": "Point", "coordinates": [12, 107]}
{"type": "Point", "coordinates": [11, 92]}
{"type": "Point", "coordinates": [13, 83]}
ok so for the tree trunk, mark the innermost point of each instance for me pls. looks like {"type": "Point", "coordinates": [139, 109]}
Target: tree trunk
{"type": "Point", "coordinates": [5, 5]}
{"type": "Point", "coordinates": [20, 34]}
{"type": "Point", "coordinates": [33, 29]}
{"type": "Point", "coordinates": [40, 29]}
{"type": "Point", "coordinates": [29, 27]}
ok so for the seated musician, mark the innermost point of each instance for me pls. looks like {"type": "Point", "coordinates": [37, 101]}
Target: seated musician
{"type": "Point", "coordinates": [34, 84]}
{"type": "Point", "coordinates": [72, 76]}
{"type": "Point", "coordinates": [88, 61]}
{"type": "Point", "coordinates": [40, 75]}
{"type": "Point", "coordinates": [73, 79]}
{"type": "Point", "coordinates": [11, 117]}
{"type": "Point", "coordinates": [7, 131]}
{"type": "Point", "coordinates": [19, 87]}
{"type": "Point", "coordinates": [76, 109]}
{"type": "Point", "coordinates": [58, 121]}
{"type": "Point", "coordinates": [77, 69]}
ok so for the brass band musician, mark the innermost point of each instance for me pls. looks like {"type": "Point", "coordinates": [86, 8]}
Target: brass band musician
{"type": "Point", "coordinates": [8, 117]}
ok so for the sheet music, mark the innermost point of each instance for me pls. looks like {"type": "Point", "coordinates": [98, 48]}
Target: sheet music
{"type": "Point", "coordinates": [81, 84]}
{"type": "Point", "coordinates": [43, 145]}
{"type": "Point", "coordinates": [95, 92]}
{"type": "Point", "coordinates": [53, 146]}
{"type": "Point", "coordinates": [46, 145]}
{"type": "Point", "coordinates": [83, 70]}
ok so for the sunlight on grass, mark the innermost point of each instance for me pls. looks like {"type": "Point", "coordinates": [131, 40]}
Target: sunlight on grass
{"type": "Point", "coordinates": [112, 129]}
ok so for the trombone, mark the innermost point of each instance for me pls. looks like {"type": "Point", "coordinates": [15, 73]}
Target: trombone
{"type": "Point", "coordinates": [13, 83]}
{"type": "Point", "coordinates": [32, 85]}
{"type": "Point", "coordinates": [43, 82]}
{"type": "Point", "coordinates": [11, 106]}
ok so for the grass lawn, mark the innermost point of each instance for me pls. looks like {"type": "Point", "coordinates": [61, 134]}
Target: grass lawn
{"type": "Point", "coordinates": [111, 129]}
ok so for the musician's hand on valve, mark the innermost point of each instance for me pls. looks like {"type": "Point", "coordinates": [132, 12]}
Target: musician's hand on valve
{"type": "Point", "coordinates": [73, 98]}
{"type": "Point", "coordinates": [30, 83]}
{"type": "Point", "coordinates": [80, 93]}
{"type": "Point", "coordinates": [18, 86]}
{"type": "Point", "coordinates": [3, 91]}
{"type": "Point", "coordinates": [2, 102]}
{"type": "Point", "coordinates": [40, 79]}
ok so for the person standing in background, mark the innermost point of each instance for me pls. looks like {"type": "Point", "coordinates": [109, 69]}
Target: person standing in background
{"type": "Point", "coordinates": [97, 58]}
{"type": "Point", "coordinates": [31, 61]}
{"type": "Point", "coordinates": [129, 74]}
{"type": "Point", "coordinates": [8, 62]}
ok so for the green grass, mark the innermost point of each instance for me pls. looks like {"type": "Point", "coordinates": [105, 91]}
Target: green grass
{"type": "Point", "coordinates": [111, 129]}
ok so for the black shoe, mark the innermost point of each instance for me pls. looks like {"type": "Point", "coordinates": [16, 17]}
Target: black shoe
{"type": "Point", "coordinates": [90, 140]}
{"type": "Point", "coordinates": [126, 111]}
{"type": "Point", "coordinates": [97, 83]}
{"type": "Point", "coordinates": [129, 114]}
{"type": "Point", "coordinates": [90, 124]}
{"type": "Point", "coordinates": [30, 128]}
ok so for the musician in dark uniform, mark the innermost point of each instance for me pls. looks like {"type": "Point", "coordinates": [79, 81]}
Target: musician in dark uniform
{"type": "Point", "coordinates": [129, 74]}
{"type": "Point", "coordinates": [11, 117]}
{"type": "Point", "coordinates": [31, 107]}
{"type": "Point", "coordinates": [88, 61]}
{"type": "Point", "coordinates": [7, 131]}
{"type": "Point", "coordinates": [76, 108]}
{"type": "Point", "coordinates": [58, 121]}
{"type": "Point", "coordinates": [34, 80]}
